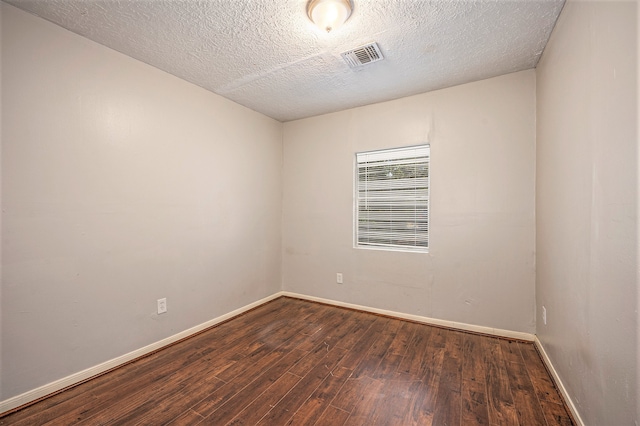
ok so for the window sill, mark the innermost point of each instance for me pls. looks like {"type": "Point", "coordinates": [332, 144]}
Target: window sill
{"type": "Point", "coordinates": [395, 249]}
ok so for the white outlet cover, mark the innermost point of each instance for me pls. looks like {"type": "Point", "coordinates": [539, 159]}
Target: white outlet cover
{"type": "Point", "coordinates": [162, 306]}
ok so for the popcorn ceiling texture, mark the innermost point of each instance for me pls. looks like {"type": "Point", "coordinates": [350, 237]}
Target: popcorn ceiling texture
{"type": "Point", "coordinates": [268, 56]}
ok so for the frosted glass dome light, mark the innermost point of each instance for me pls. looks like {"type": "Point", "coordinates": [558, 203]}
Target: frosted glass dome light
{"type": "Point", "coordinates": [328, 15]}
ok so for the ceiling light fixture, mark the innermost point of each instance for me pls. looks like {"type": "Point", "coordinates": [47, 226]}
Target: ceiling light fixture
{"type": "Point", "coordinates": [328, 15]}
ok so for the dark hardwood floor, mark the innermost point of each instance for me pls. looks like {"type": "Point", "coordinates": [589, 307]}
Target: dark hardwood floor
{"type": "Point", "coordinates": [293, 362]}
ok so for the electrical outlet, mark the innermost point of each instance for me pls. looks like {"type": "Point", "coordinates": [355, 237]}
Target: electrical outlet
{"type": "Point", "coordinates": [544, 315]}
{"type": "Point", "coordinates": [339, 278]}
{"type": "Point", "coordinates": [162, 305]}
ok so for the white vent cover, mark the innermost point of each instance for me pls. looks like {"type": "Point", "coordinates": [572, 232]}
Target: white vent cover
{"type": "Point", "coordinates": [363, 55]}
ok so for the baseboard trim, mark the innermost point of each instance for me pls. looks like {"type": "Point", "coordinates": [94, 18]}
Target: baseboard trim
{"type": "Point", "coordinates": [417, 318]}
{"type": "Point", "coordinates": [79, 377]}
{"type": "Point", "coordinates": [556, 378]}
{"type": "Point", "coordinates": [82, 376]}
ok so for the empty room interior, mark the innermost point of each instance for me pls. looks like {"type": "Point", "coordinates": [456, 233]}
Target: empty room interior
{"type": "Point", "coordinates": [319, 212]}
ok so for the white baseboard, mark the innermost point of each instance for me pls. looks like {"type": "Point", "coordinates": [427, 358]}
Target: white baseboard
{"type": "Point", "coordinates": [556, 378]}
{"type": "Point", "coordinates": [34, 394]}
{"type": "Point", "coordinates": [42, 391]}
{"type": "Point", "coordinates": [425, 320]}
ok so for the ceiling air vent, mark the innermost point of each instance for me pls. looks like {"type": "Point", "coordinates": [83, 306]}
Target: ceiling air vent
{"type": "Point", "coordinates": [363, 55]}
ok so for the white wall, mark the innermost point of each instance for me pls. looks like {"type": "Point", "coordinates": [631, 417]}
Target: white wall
{"type": "Point", "coordinates": [122, 184]}
{"type": "Point", "coordinates": [480, 268]}
{"type": "Point", "coordinates": [586, 207]}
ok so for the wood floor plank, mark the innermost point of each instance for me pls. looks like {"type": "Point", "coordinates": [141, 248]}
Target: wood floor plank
{"type": "Point", "coordinates": [187, 418]}
{"type": "Point", "coordinates": [108, 391]}
{"type": "Point", "coordinates": [235, 403]}
{"type": "Point", "coordinates": [117, 400]}
{"type": "Point", "coordinates": [245, 376]}
{"type": "Point", "coordinates": [473, 365]}
{"type": "Point", "coordinates": [423, 399]}
{"type": "Point", "coordinates": [261, 406]}
{"type": "Point", "coordinates": [287, 406]}
{"type": "Point", "coordinates": [390, 364]}
{"type": "Point", "coordinates": [342, 334]}
{"type": "Point", "coordinates": [311, 409]}
{"type": "Point", "coordinates": [171, 407]}
{"type": "Point", "coordinates": [448, 410]}
{"type": "Point", "coordinates": [310, 360]}
{"type": "Point", "coordinates": [137, 406]}
{"type": "Point", "coordinates": [58, 404]}
{"type": "Point", "coordinates": [511, 351]}
{"type": "Point", "coordinates": [402, 338]}
{"type": "Point", "coordinates": [451, 375]}
{"type": "Point", "coordinates": [423, 402]}
{"type": "Point", "coordinates": [412, 364]}
{"type": "Point", "coordinates": [499, 397]}
{"type": "Point", "coordinates": [392, 406]}
{"type": "Point", "coordinates": [365, 340]}
{"type": "Point", "coordinates": [474, 403]}
{"type": "Point", "coordinates": [525, 400]}
{"type": "Point", "coordinates": [332, 416]}
{"type": "Point", "coordinates": [364, 410]}
{"type": "Point", "coordinates": [333, 322]}
{"type": "Point", "coordinates": [296, 362]}
{"type": "Point", "coordinates": [555, 414]}
{"type": "Point", "coordinates": [449, 401]}
{"type": "Point", "coordinates": [259, 351]}
{"type": "Point", "coordinates": [363, 322]}
{"type": "Point", "coordinates": [377, 350]}
{"type": "Point", "coordinates": [433, 355]}
{"type": "Point", "coordinates": [245, 372]}
{"type": "Point", "coordinates": [352, 393]}
{"type": "Point", "coordinates": [230, 408]}
{"type": "Point", "coordinates": [542, 383]}
{"type": "Point", "coordinates": [388, 367]}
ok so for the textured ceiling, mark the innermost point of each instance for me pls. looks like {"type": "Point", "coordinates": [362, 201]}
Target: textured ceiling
{"type": "Point", "coordinates": [268, 56]}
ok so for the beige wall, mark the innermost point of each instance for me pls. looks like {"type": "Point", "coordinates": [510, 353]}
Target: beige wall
{"type": "Point", "coordinates": [480, 268]}
{"type": "Point", "coordinates": [586, 207]}
{"type": "Point", "coordinates": [121, 185]}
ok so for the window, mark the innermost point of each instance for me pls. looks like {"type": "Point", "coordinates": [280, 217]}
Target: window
{"type": "Point", "coordinates": [392, 198]}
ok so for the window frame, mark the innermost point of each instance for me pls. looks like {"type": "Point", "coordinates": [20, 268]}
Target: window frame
{"type": "Point", "coordinates": [356, 210]}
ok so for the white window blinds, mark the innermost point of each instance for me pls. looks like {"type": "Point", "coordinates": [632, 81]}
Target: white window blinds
{"type": "Point", "coordinates": [392, 208]}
